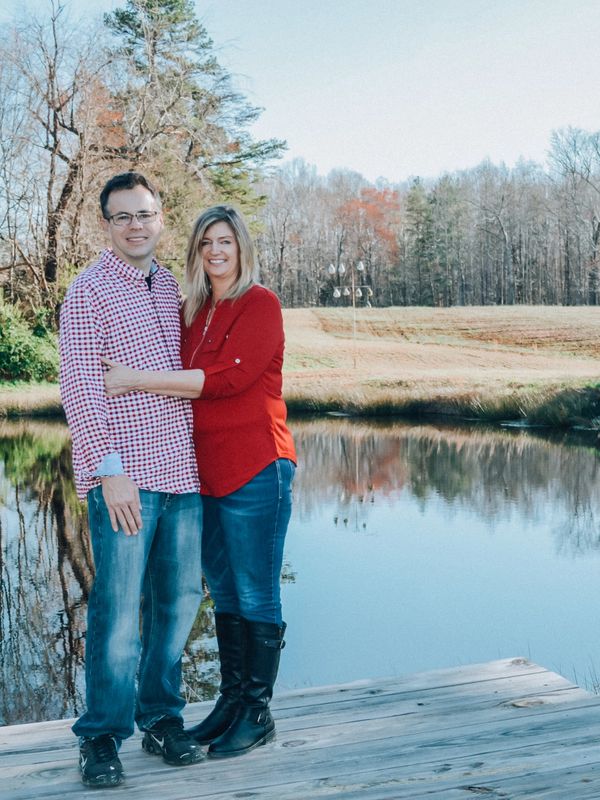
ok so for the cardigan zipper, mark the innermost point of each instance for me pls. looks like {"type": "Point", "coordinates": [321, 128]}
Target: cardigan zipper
{"type": "Point", "coordinates": [209, 319]}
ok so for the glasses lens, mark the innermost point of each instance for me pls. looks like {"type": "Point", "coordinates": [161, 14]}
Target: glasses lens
{"type": "Point", "coordinates": [144, 217]}
{"type": "Point", "coordinates": [121, 219]}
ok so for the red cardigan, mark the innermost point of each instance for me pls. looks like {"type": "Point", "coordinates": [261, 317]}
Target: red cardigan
{"type": "Point", "coordinates": [239, 419]}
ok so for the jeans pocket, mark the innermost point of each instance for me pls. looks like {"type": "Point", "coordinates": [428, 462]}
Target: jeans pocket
{"type": "Point", "coordinates": [286, 469]}
{"type": "Point", "coordinates": [93, 498]}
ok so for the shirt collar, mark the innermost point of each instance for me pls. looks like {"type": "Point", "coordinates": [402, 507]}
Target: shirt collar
{"type": "Point", "coordinates": [110, 259]}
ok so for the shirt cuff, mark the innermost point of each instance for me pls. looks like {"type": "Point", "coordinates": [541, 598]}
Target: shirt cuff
{"type": "Point", "coordinates": [111, 464]}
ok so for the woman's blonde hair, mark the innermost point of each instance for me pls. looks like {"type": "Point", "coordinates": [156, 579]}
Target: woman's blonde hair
{"type": "Point", "coordinates": [198, 288]}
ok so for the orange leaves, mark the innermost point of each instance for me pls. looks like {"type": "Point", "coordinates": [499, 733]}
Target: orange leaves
{"type": "Point", "coordinates": [108, 119]}
{"type": "Point", "coordinates": [374, 214]}
{"type": "Point", "coordinates": [377, 208]}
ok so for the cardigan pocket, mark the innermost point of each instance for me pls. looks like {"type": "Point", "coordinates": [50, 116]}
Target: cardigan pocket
{"type": "Point", "coordinates": [207, 348]}
{"type": "Point", "coordinates": [214, 342]}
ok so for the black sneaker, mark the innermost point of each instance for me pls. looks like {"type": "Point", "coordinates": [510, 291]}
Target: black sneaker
{"type": "Point", "coordinates": [98, 761]}
{"type": "Point", "coordinates": [167, 738]}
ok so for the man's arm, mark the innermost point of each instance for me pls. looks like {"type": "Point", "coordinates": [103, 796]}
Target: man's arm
{"type": "Point", "coordinates": [120, 379]}
{"type": "Point", "coordinates": [81, 343]}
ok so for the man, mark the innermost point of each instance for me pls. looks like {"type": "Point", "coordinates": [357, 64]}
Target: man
{"type": "Point", "coordinates": [134, 462]}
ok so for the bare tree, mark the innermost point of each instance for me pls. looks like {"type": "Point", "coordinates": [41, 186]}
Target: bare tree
{"type": "Point", "coordinates": [53, 140]}
{"type": "Point", "coordinates": [78, 103]}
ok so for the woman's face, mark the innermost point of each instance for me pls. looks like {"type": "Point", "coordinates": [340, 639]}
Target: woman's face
{"type": "Point", "coordinates": [220, 255]}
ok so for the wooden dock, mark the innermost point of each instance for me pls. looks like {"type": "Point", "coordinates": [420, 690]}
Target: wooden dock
{"type": "Point", "coordinates": [506, 729]}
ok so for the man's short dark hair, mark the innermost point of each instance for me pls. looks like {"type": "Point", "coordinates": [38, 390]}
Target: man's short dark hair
{"type": "Point", "coordinates": [125, 180]}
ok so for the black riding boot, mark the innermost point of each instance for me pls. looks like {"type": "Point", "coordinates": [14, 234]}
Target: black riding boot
{"type": "Point", "coordinates": [254, 724]}
{"type": "Point", "coordinates": [230, 638]}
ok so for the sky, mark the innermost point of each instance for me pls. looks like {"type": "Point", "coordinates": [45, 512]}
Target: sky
{"type": "Point", "coordinates": [398, 88]}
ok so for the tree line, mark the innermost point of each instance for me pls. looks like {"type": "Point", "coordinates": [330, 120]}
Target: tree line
{"type": "Point", "coordinates": [490, 235]}
{"type": "Point", "coordinates": [143, 89]}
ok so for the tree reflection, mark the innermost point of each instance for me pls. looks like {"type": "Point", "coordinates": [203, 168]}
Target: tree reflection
{"type": "Point", "coordinates": [45, 574]}
{"type": "Point", "coordinates": [354, 464]}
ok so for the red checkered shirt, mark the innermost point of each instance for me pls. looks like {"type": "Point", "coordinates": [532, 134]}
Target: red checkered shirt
{"type": "Point", "coordinates": [108, 311]}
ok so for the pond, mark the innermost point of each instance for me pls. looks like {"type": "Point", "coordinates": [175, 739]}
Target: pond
{"type": "Point", "coordinates": [412, 547]}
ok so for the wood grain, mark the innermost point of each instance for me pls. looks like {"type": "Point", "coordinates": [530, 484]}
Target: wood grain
{"type": "Point", "coordinates": [505, 729]}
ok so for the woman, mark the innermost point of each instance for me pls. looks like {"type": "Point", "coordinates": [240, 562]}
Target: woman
{"type": "Point", "coordinates": [232, 353]}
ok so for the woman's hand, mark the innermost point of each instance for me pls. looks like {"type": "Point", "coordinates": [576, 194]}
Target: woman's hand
{"type": "Point", "coordinates": [119, 379]}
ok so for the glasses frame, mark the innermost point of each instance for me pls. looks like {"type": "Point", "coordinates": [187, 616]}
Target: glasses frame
{"type": "Point", "coordinates": [135, 216]}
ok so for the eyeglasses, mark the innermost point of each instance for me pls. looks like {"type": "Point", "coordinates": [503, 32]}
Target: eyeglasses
{"type": "Point", "coordinates": [122, 220]}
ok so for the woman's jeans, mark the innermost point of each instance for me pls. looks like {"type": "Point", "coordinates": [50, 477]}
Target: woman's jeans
{"type": "Point", "coordinates": [242, 544]}
{"type": "Point", "coordinates": [161, 564]}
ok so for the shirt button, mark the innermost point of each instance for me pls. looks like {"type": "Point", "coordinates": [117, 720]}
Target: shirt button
{"type": "Point", "coordinates": [237, 360]}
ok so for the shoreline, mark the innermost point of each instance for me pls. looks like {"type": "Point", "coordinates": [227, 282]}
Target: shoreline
{"type": "Point", "coordinates": [19, 399]}
{"type": "Point", "coordinates": [560, 407]}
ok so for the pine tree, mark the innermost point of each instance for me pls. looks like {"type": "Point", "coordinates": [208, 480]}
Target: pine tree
{"type": "Point", "coordinates": [175, 96]}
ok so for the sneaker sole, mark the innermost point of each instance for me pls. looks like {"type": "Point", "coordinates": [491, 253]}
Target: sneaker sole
{"type": "Point", "coordinates": [103, 781]}
{"type": "Point", "coordinates": [155, 750]}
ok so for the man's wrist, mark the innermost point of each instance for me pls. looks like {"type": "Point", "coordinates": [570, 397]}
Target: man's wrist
{"type": "Point", "coordinates": [110, 466]}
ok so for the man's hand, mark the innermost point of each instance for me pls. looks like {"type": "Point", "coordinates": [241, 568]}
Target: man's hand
{"type": "Point", "coordinates": [119, 379]}
{"type": "Point", "coordinates": [122, 498]}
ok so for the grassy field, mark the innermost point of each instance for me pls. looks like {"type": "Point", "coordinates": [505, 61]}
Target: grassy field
{"type": "Point", "coordinates": [536, 363]}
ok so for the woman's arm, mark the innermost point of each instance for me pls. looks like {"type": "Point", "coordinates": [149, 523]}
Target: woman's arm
{"type": "Point", "coordinates": [253, 342]}
{"type": "Point", "coordinates": [119, 379]}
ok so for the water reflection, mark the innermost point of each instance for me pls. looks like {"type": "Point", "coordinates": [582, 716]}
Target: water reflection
{"type": "Point", "coordinates": [46, 573]}
{"type": "Point", "coordinates": [348, 470]}
{"type": "Point", "coordinates": [484, 469]}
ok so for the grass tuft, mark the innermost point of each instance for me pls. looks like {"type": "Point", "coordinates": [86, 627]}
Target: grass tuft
{"type": "Point", "coordinates": [19, 399]}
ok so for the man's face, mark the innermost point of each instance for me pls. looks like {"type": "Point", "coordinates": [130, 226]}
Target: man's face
{"type": "Point", "coordinates": [134, 243]}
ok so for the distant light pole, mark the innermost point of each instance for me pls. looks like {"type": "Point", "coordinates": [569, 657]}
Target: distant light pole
{"type": "Point", "coordinates": [355, 290]}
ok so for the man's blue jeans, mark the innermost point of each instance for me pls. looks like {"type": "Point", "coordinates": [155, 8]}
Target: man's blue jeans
{"type": "Point", "coordinates": [242, 544]}
{"type": "Point", "coordinates": [160, 566]}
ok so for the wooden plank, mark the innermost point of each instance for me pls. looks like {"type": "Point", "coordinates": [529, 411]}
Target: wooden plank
{"type": "Point", "coordinates": [504, 729]}
{"type": "Point", "coordinates": [433, 679]}
{"type": "Point", "coordinates": [495, 683]}
{"type": "Point", "coordinates": [344, 778]}
{"type": "Point", "coordinates": [391, 781]}
{"type": "Point", "coordinates": [520, 693]}
{"type": "Point", "coordinates": [354, 720]}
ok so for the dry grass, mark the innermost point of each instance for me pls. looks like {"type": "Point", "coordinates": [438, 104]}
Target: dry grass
{"type": "Point", "coordinates": [23, 399]}
{"type": "Point", "coordinates": [491, 363]}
